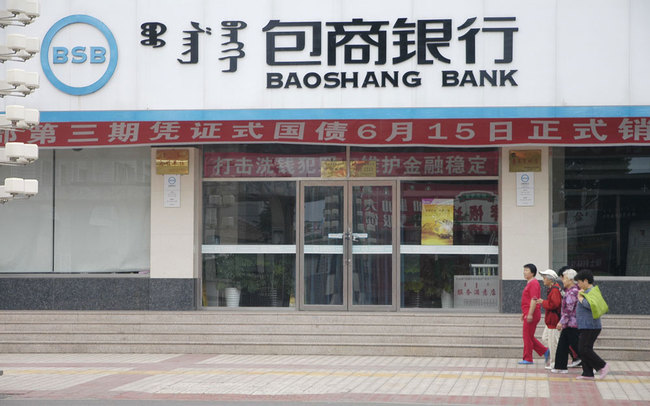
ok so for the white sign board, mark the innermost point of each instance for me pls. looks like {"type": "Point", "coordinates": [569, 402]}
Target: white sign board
{"type": "Point", "coordinates": [476, 291]}
{"type": "Point", "coordinates": [525, 188]}
{"type": "Point", "coordinates": [198, 55]}
{"type": "Point", "coordinates": [172, 192]}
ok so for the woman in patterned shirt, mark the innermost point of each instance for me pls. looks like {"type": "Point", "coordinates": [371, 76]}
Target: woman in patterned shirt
{"type": "Point", "coordinates": [568, 324]}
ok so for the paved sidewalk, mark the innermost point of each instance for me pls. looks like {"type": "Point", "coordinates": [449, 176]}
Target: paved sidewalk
{"type": "Point", "coordinates": [335, 379]}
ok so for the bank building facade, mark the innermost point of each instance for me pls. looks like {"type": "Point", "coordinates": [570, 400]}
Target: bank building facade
{"type": "Point", "coordinates": [350, 156]}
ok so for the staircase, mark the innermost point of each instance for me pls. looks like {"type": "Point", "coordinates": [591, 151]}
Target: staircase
{"type": "Point", "coordinates": [286, 332]}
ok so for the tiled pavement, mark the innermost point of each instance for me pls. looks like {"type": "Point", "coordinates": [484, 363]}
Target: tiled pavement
{"type": "Point", "coordinates": [284, 378]}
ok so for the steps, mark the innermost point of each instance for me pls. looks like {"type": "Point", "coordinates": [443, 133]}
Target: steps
{"type": "Point", "coordinates": [286, 332]}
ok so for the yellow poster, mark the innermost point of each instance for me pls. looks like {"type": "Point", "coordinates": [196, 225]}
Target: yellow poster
{"type": "Point", "coordinates": [437, 221]}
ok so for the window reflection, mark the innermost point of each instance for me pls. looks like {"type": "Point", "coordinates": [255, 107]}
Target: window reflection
{"type": "Point", "coordinates": [600, 216]}
{"type": "Point", "coordinates": [249, 212]}
{"type": "Point", "coordinates": [441, 281]}
{"type": "Point", "coordinates": [475, 210]}
{"type": "Point", "coordinates": [449, 214]}
{"type": "Point", "coordinates": [249, 280]}
{"type": "Point", "coordinates": [258, 215]}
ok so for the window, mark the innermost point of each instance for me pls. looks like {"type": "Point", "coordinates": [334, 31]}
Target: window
{"type": "Point", "coordinates": [249, 243]}
{"type": "Point", "coordinates": [91, 213]}
{"type": "Point", "coordinates": [600, 210]}
{"type": "Point", "coordinates": [449, 237]}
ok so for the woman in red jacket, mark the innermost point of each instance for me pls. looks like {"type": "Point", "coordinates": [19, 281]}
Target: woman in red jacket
{"type": "Point", "coordinates": [552, 306]}
{"type": "Point", "coordinates": [530, 315]}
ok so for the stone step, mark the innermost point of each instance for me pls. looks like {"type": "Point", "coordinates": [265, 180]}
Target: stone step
{"type": "Point", "coordinates": [243, 317]}
{"type": "Point", "coordinates": [316, 339]}
{"type": "Point", "coordinates": [293, 318]}
{"type": "Point", "coordinates": [288, 332]}
{"type": "Point", "coordinates": [302, 329]}
{"type": "Point", "coordinates": [292, 348]}
{"type": "Point", "coordinates": [305, 328]}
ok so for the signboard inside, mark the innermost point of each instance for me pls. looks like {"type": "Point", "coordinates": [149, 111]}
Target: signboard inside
{"type": "Point", "coordinates": [333, 169]}
{"type": "Point", "coordinates": [478, 292]}
{"type": "Point", "coordinates": [363, 169]}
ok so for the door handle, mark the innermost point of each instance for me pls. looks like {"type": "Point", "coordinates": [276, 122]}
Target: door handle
{"type": "Point", "coordinates": [357, 236]}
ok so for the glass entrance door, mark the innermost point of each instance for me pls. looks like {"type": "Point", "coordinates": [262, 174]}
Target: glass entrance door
{"type": "Point", "coordinates": [347, 259]}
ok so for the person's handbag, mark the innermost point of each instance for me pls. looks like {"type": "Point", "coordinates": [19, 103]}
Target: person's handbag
{"type": "Point", "coordinates": [596, 302]}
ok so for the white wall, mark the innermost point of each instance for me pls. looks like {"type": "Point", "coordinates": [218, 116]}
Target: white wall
{"type": "Point", "coordinates": [175, 232]}
{"type": "Point", "coordinates": [525, 231]}
{"type": "Point", "coordinates": [577, 53]}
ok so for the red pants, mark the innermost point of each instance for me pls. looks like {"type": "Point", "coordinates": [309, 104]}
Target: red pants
{"type": "Point", "coordinates": [530, 342]}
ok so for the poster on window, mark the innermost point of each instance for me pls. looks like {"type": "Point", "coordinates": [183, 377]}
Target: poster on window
{"type": "Point", "coordinates": [437, 222]}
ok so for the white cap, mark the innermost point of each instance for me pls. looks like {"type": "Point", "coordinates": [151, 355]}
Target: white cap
{"type": "Point", "coordinates": [549, 273]}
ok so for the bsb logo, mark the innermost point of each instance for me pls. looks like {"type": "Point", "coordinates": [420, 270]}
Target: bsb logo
{"type": "Point", "coordinates": [79, 55]}
{"type": "Point", "coordinates": [97, 55]}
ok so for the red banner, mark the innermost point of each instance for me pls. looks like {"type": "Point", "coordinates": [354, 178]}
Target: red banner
{"type": "Point", "coordinates": [438, 163]}
{"type": "Point", "coordinates": [434, 132]}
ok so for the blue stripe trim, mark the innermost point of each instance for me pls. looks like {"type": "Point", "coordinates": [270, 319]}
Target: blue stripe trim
{"type": "Point", "coordinates": [345, 114]}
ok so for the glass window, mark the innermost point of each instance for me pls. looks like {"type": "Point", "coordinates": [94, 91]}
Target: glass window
{"type": "Point", "coordinates": [249, 238]}
{"type": "Point", "coordinates": [600, 203]}
{"type": "Point", "coordinates": [91, 214]}
{"type": "Point", "coordinates": [462, 213]}
{"type": "Point", "coordinates": [249, 213]}
{"type": "Point", "coordinates": [29, 245]}
{"type": "Point", "coordinates": [450, 281]}
{"type": "Point", "coordinates": [249, 280]}
{"type": "Point", "coordinates": [449, 237]}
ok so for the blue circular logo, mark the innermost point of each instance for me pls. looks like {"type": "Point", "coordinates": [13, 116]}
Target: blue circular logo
{"type": "Point", "coordinates": [47, 43]}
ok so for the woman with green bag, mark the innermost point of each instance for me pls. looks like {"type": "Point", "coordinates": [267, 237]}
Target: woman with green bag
{"type": "Point", "coordinates": [591, 306]}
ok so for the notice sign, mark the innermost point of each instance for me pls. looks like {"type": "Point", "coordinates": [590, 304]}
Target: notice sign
{"type": "Point", "coordinates": [526, 160]}
{"type": "Point", "coordinates": [172, 191]}
{"type": "Point", "coordinates": [525, 189]}
{"type": "Point", "coordinates": [172, 161]}
{"type": "Point", "coordinates": [437, 222]}
{"type": "Point", "coordinates": [472, 291]}
{"type": "Point", "coordinates": [333, 169]}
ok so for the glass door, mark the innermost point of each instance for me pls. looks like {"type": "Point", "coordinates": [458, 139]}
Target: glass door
{"type": "Point", "coordinates": [347, 259]}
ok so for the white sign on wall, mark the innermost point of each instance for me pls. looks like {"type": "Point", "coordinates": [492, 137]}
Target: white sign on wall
{"type": "Point", "coordinates": [172, 191]}
{"type": "Point", "coordinates": [525, 188]}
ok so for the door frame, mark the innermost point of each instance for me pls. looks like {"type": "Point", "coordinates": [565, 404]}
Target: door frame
{"type": "Point", "coordinates": [348, 262]}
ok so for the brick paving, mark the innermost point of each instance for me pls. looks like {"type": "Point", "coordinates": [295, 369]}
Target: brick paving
{"type": "Point", "coordinates": [404, 380]}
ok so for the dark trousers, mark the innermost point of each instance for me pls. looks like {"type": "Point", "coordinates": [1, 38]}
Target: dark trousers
{"type": "Point", "coordinates": [590, 360]}
{"type": "Point", "coordinates": [568, 337]}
